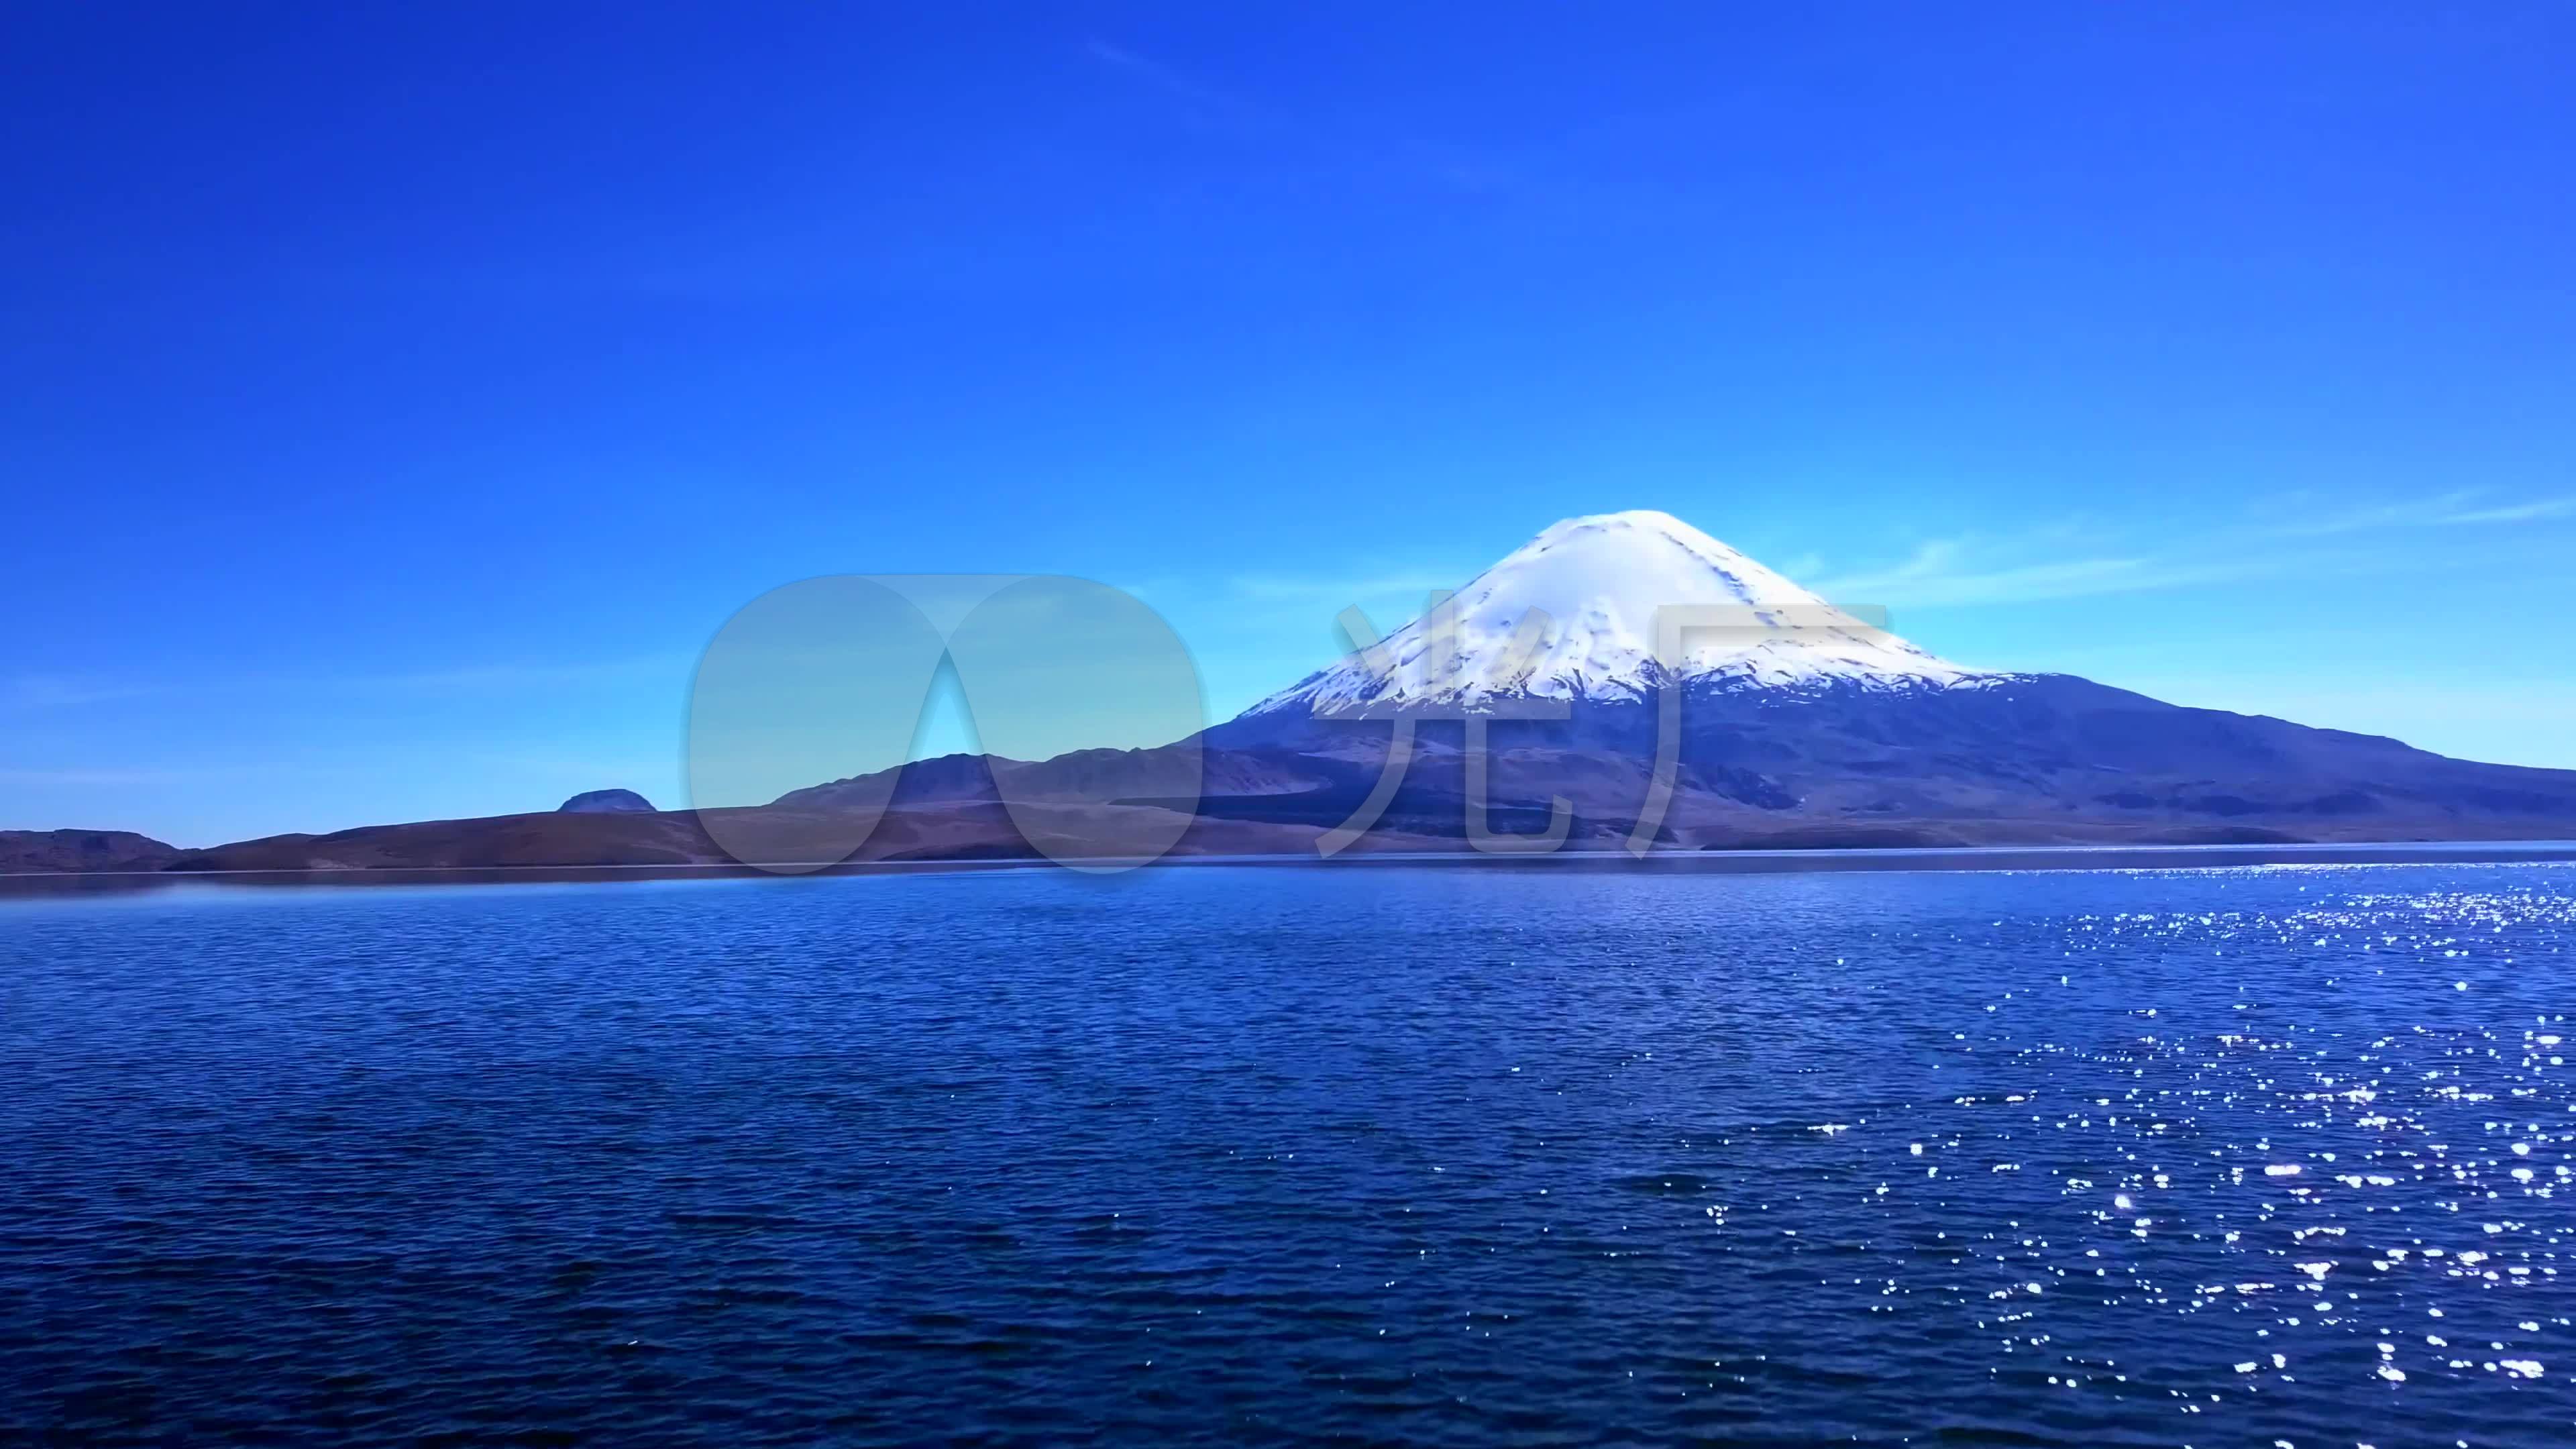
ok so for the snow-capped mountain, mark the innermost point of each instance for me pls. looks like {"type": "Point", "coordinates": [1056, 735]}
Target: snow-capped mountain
{"type": "Point", "coordinates": [1575, 613]}
{"type": "Point", "coordinates": [1793, 726]}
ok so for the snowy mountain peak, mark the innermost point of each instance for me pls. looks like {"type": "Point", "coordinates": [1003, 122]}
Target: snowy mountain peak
{"type": "Point", "coordinates": [1574, 613]}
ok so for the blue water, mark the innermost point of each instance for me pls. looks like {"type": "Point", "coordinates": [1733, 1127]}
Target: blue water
{"type": "Point", "coordinates": [1261, 1155]}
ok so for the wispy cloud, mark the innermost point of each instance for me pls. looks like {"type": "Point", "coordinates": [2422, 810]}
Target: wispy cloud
{"type": "Point", "coordinates": [2031, 566]}
{"type": "Point", "coordinates": [1943, 571]}
{"type": "Point", "coordinates": [154, 776]}
{"type": "Point", "coordinates": [52, 691]}
{"type": "Point", "coordinates": [55, 691]}
{"type": "Point", "coordinates": [2517, 512]}
{"type": "Point", "coordinates": [2289, 538]}
{"type": "Point", "coordinates": [2298, 516]}
{"type": "Point", "coordinates": [1211, 101]}
{"type": "Point", "coordinates": [503, 677]}
{"type": "Point", "coordinates": [98, 778]}
{"type": "Point", "coordinates": [1339, 591]}
{"type": "Point", "coordinates": [2453, 508]}
{"type": "Point", "coordinates": [1446, 165]}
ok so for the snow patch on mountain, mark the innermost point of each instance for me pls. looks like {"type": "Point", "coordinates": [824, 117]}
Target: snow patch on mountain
{"type": "Point", "coordinates": [1573, 614]}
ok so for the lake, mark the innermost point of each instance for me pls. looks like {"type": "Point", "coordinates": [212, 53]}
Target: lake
{"type": "Point", "coordinates": [1221, 1154]}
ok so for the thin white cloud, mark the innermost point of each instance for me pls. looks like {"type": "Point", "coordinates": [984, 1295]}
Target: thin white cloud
{"type": "Point", "coordinates": [1939, 574]}
{"type": "Point", "coordinates": [1168, 80]}
{"type": "Point", "coordinates": [1342, 590]}
{"type": "Point", "coordinates": [1978, 569]}
{"type": "Point", "coordinates": [514, 676]}
{"type": "Point", "coordinates": [152, 776]}
{"type": "Point", "coordinates": [2453, 508]}
{"type": "Point", "coordinates": [45, 691]}
{"type": "Point", "coordinates": [2363, 518]}
{"type": "Point", "coordinates": [100, 778]}
{"type": "Point", "coordinates": [375, 764]}
{"type": "Point", "coordinates": [1314, 139]}
{"type": "Point", "coordinates": [2518, 512]}
{"type": "Point", "coordinates": [54, 691]}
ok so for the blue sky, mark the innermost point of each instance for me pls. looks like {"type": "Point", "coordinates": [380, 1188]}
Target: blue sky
{"type": "Point", "coordinates": [393, 402]}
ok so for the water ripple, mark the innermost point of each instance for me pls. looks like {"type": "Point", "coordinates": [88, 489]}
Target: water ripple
{"type": "Point", "coordinates": [2190, 1157]}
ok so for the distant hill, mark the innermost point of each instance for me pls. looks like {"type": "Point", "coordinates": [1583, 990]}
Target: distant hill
{"type": "Point", "coordinates": [956, 830]}
{"type": "Point", "coordinates": [605, 802]}
{"type": "Point", "coordinates": [27, 851]}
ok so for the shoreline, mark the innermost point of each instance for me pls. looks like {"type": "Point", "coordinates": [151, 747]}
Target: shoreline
{"type": "Point", "coordinates": [1887, 859]}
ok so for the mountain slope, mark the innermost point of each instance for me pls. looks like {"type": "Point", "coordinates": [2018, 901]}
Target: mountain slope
{"type": "Point", "coordinates": [43, 851]}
